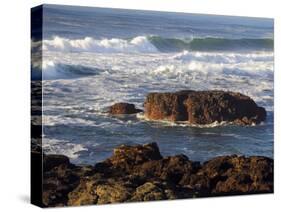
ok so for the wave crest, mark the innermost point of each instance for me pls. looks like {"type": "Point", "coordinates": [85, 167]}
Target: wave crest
{"type": "Point", "coordinates": [51, 70]}
{"type": "Point", "coordinates": [114, 45]}
{"type": "Point", "coordinates": [154, 44]}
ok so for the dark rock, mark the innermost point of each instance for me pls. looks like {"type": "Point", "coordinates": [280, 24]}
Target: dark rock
{"type": "Point", "coordinates": [112, 193]}
{"type": "Point", "coordinates": [136, 154]}
{"type": "Point", "coordinates": [148, 191]}
{"type": "Point", "coordinates": [95, 191]}
{"type": "Point", "coordinates": [241, 175]}
{"type": "Point", "coordinates": [51, 161]}
{"type": "Point", "coordinates": [83, 194]}
{"type": "Point", "coordinates": [228, 175]}
{"type": "Point", "coordinates": [59, 178]}
{"type": "Point", "coordinates": [140, 173]}
{"type": "Point", "coordinates": [57, 183]}
{"type": "Point", "coordinates": [203, 107]}
{"type": "Point", "coordinates": [170, 169]}
{"type": "Point", "coordinates": [126, 157]}
{"type": "Point", "coordinates": [123, 108]}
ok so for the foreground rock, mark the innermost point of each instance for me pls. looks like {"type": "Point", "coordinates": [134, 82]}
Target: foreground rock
{"type": "Point", "coordinates": [123, 108]}
{"type": "Point", "coordinates": [140, 173]}
{"type": "Point", "coordinates": [203, 107]}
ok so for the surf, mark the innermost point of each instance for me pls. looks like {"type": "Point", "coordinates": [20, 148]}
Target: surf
{"type": "Point", "coordinates": [155, 44]}
{"type": "Point", "coordinates": [50, 70]}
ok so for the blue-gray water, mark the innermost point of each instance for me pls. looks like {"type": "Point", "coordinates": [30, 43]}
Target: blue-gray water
{"type": "Point", "coordinates": [95, 57]}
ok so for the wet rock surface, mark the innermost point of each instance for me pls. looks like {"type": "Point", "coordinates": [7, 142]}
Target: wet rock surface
{"type": "Point", "coordinates": [203, 107]}
{"type": "Point", "coordinates": [123, 108]}
{"type": "Point", "coordinates": [141, 173]}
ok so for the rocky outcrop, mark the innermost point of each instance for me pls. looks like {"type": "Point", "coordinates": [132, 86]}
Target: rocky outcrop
{"type": "Point", "coordinates": [123, 108]}
{"type": "Point", "coordinates": [228, 175]}
{"type": "Point", "coordinates": [141, 173]}
{"type": "Point", "coordinates": [60, 177]}
{"type": "Point", "coordinates": [203, 107]}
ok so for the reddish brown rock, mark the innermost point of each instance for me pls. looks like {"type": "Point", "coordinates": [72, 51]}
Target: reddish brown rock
{"type": "Point", "coordinates": [203, 107]}
{"type": "Point", "coordinates": [123, 108]}
{"type": "Point", "coordinates": [166, 106]}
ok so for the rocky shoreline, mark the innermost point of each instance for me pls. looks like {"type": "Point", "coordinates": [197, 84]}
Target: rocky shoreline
{"type": "Point", "coordinates": [141, 173]}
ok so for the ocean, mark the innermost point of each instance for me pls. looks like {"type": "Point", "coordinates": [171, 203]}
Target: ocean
{"type": "Point", "coordinates": [95, 57]}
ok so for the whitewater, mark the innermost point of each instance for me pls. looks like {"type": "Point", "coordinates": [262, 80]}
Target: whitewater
{"type": "Point", "coordinates": [128, 55]}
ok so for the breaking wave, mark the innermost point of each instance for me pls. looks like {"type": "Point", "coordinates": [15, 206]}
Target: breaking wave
{"type": "Point", "coordinates": [154, 44]}
{"type": "Point", "coordinates": [89, 44]}
{"type": "Point", "coordinates": [51, 70]}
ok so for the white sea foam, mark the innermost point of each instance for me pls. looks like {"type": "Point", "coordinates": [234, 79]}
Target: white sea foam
{"type": "Point", "coordinates": [141, 116]}
{"type": "Point", "coordinates": [55, 146]}
{"type": "Point", "coordinates": [50, 70]}
{"type": "Point", "coordinates": [129, 77]}
{"type": "Point", "coordinates": [224, 57]}
{"type": "Point", "coordinates": [50, 120]}
{"type": "Point", "coordinates": [114, 45]}
{"type": "Point", "coordinates": [84, 75]}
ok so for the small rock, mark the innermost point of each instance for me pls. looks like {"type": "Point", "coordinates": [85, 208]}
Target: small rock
{"type": "Point", "coordinates": [123, 108]}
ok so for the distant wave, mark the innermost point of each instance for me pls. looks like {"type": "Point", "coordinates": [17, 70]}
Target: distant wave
{"type": "Point", "coordinates": [222, 44]}
{"type": "Point", "coordinates": [210, 44]}
{"type": "Point", "coordinates": [154, 44]}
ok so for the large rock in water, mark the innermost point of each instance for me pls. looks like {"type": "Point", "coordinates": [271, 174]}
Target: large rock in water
{"type": "Point", "coordinates": [203, 107]}
{"type": "Point", "coordinates": [141, 173]}
{"type": "Point", "coordinates": [123, 108]}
